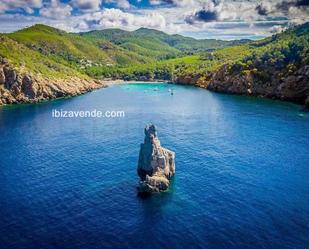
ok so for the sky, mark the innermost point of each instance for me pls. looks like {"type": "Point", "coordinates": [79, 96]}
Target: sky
{"type": "Point", "coordinates": [219, 19]}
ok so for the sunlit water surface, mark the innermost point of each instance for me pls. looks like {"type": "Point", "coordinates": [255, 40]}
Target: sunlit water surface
{"type": "Point", "coordinates": [242, 172]}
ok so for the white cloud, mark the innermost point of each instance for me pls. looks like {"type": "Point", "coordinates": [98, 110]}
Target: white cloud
{"type": "Point", "coordinates": [26, 5]}
{"type": "Point", "coordinates": [276, 29]}
{"type": "Point", "coordinates": [116, 18]}
{"type": "Point", "coordinates": [232, 18]}
{"type": "Point", "coordinates": [299, 15]}
{"type": "Point", "coordinates": [56, 10]}
{"type": "Point", "coordinates": [86, 5]}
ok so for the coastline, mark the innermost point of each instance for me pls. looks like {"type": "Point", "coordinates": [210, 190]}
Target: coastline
{"type": "Point", "coordinates": [119, 82]}
{"type": "Point", "coordinates": [49, 90]}
{"type": "Point", "coordinates": [225, 90]}
{"type": "Point", "coordinates": [57, 89]}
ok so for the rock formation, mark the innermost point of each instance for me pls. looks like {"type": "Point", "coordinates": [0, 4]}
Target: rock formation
{"type": "Point", "coordinates": [18, 86]}
{"type": "Point", "coordinates": [156, 165]}
{"type": "Point", "coordinates": [265, 81]}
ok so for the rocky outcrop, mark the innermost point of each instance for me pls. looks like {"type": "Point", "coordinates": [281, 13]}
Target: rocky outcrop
{"type": "Point", "coordinates": [260, 82]}
{"type": "Point", "coordinates": [17, 86]}
{"type": "Point", "coordinates": [156, 165]}
{"type": "Point", "coordinates": [188, 79]}
{"type": "Point", "coordinates": [263, 81]}
{"type": "Point", "coordinates": [295, 87]}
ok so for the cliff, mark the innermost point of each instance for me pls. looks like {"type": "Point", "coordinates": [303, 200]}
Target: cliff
{"type": "Point", "coordinates": [19, 86]}
{"type": "Point", "coordinates": [293, 87]}
{"type": "Point", "coordinates": [270, 83]}
{"type": "Point", "coordinates": [156, 165]}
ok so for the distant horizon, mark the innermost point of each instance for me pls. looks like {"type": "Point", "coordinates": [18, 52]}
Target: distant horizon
{"type": "Point", "coordinates": [114, 28]}
{"type": "Point", "coordinates": [199, 19]}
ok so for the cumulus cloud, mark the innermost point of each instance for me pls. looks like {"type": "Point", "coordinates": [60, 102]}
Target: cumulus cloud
{"type": "Point", "coordinates": [216, 18]}
{"type": "Point", "coordinates": [27, 5]}
{"type": "Point", "coordinates": [277, 29]}
{"type": "Point", "coordinates": [56, 10]}
{"type": "Point", "coordinates": [282, 8]}
{"type": "Point", "coordinates": [86, 5]}
{"type": "Point", "coordinates": [116, 18]}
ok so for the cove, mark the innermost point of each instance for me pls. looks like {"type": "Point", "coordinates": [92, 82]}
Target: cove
{"type": "Point", "coordinates": [241, 172]}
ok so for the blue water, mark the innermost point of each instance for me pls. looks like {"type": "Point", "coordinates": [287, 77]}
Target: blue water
{"type": "Point", "coordinates": [242, 172]}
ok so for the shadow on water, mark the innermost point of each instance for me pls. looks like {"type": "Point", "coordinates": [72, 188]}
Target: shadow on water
{"type": "Point", "coordinates": [154, 212]}
{"type": "Point", "coordinates": [159, 200]}
{"type": "Point", "coordinates": [258, 100]}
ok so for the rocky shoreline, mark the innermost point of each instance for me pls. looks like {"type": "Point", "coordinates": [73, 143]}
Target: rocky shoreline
{"type": "Point", "coordinates": [270, 83]}
{"type": "Point", "coordinates": [18, 87]}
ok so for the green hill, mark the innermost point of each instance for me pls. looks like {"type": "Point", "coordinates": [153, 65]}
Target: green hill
{"type": "Point", "coordinates": [157, 44]}
{"type": "Point", "coordinates": [148, 46]}
{"type": "Point", "coordinates": [290, 46]}
{"type": "Point", "coordinates": [186, 44]}
{"type": "Point", "coordinates": [96, 53]}
{"type": "Point", "coordinates": [28, 60]}
{"type": "Point", "coordinates": [56, 53]}
{"type": "Point", "coordinates": [74, 49]}
{"type": "Point", "coordinates": [108, 47]}
{"type": "Point", "coordinates": [51, 41]}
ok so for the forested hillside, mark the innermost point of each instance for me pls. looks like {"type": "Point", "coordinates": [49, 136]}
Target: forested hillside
{"type": "Point", "coordinates": [101, 49]}
{"type": "Point", "coordinates": [154, 43]}
{"type": "Point", "coordinates": [275, 67]}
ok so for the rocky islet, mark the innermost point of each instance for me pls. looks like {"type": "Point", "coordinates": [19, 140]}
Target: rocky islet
{"type": "Point", "coordinates": [156, 165]}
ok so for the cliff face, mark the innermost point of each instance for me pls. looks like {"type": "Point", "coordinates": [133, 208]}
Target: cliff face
{"type": "Point", "coordinates": [264, 81]}
{"type": "Point", "coordinates": [21, 87]}
{"type": "Point", "coordinates": [188, 79]}
{"type": "Point", "coordinates": [156, 165]}
{"type": "Point", "coordinates": [267, 83]}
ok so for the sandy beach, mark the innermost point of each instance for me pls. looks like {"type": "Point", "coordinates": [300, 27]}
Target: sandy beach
{"type": "Point", "coordinates": [117, 82]}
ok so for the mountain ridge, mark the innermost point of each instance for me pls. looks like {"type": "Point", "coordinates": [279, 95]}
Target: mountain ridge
{"type": "Point", "coordinates": [179, 42]}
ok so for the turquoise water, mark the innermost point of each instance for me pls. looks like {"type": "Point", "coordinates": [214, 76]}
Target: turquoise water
{"type": "Point", "coordinates": [242, 170]}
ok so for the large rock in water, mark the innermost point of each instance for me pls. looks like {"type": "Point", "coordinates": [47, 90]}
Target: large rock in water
{"type": "Point", "coordinates": [156, 165]}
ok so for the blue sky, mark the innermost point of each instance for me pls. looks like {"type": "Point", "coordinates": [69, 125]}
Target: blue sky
{"type": "Point", "coordinates": [219, 19]}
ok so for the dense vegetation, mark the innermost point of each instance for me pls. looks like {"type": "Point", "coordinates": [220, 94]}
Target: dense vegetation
{"type": "Point", "coordinates": [55, 53]}
{"type": "Point", "coordinates": [32, 61]}
{"type": "Point", "coordinates": [287, 51]}
{"type": "Point", "coordinates": [157, 44]}
{"type": "Point", "coordinates": [147, 54]}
